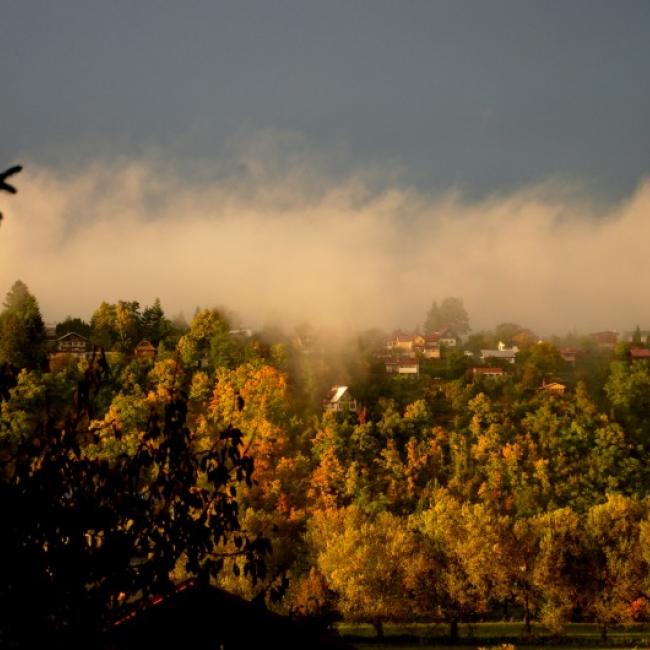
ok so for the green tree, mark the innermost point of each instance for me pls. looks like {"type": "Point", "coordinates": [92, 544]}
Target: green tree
{"type": "Point", "coordinates": [22, 332]}
{"type": "Point", "coordinates": [506, 332]}
{"type": "Point", "coordinates": [628, 390]}
{"type": "Point", "coordinates": [156, 327]}
{"type": "Point", "coordinates": [76, 325]}
{"type": "Point", "coordinates": [450, 314]}
{"type": "Point", "coordinates": [208, 342]}
{"type": "Point", "coordinates": [540, 362]}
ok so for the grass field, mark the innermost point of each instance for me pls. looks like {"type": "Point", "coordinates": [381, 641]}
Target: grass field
{"type": "Point", "coordinates": [485, 635]}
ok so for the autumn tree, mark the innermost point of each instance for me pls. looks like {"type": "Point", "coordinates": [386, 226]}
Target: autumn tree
{"type": "Point", "coordinates": [461, 564]}
{"type": "Point", "coordinates": [559, 566]}
{"type": "Point", "coordinates": [363, 559]}
{"type": "Point", "coordinates": [616, 570]}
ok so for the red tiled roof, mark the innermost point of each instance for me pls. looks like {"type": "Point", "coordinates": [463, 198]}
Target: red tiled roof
{"type": "Point", "coordinates": [640, 353]}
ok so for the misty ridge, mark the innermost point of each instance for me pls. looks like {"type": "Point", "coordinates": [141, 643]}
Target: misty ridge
{"type": "Point", "coordinates": [285, 241]}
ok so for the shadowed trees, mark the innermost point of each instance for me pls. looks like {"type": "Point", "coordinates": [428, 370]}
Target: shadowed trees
{"type": "Point", "coordinates": [83, 534]}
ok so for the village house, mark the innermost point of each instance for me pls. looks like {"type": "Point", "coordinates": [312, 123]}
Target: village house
{"type": "Point", "coordinates": [639, 354]}
{"type": "Point", "coordinates": [492, 373]}
{"type": "Point", "coordinates": [402, 366]}
{"type": "Point", "coordinates": [73, 343]}
{"type": "Point", "coordinates": [605, 340]}
{"type": "Point", "coordinates": [404, 344]}
{"type": "Point", "coordinates": [144, 350]}
{"type": "Point", "coordinates": [554, 387]}
{"type": "Point", "coordinates": [569, 355]}
{"type": "Point", "coordinates": [410, 345]}
{"type": "Point", "coordinates": [641, 336]}
{"type": "Point", "coordinates": [431, 347]}
{"type": "Point", "coordinates": [340, 399]}
{"type": "Point", "coordinates": [447, 338]}
{"type": "Point", "coordinates": [502, 352]}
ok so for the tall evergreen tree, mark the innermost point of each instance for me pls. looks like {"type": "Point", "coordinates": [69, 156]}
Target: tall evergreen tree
{"type": "Point", "coordinates": [22, 332]}
{"type": "Point", "coordinates": [449, 314]}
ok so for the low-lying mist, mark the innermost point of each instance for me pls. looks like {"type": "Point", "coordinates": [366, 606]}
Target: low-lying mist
{"type": "Point", "coordinates": [300, 245]}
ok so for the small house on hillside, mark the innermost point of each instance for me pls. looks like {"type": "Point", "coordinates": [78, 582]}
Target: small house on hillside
{"type": "Point", "coordinates": [431, 349]}
{"type": "Point", "coordinates": [73, 343]}
{"type": "Point", "coordinates": [340, 399]}
{"type": "Point", "coordinates": [410, 345]}
{"type": "Point", "coordinates": [491, 373]}
{"type": "Point", "coordinates": [502, 352]}
{"type": "Point", "coordinates": [402, 366]}
{"type": "Point", "coordinates": [554, 387]}
{"type": "Point", "coordinates": [447, 338]}
{"type": "Point", "coordinates": [606, 340]}
{"type": "Point", "coordinates": [636, 336]}
{"type": "Point", "coordinates": [569, 355]}
{"type": "Point", "coordinates": [144, 350]}
{"type": "Point", "coordinates": [404, 344]}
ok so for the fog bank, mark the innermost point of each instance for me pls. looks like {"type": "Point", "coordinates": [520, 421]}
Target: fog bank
{"type": "Point", "coordinates": [293, 245]}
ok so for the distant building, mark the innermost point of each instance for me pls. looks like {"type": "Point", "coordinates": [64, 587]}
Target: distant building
{"type": "Point", "coordinates": [144, 350]}
{"type": "Point", "coordinates": [502, 352]}
{"type": "Point", "coordinates": [402, 366]}
{"type": "Point", "coordinates": [553, 387]}
{"type": "Point", "coordinates": [492, 373]}
{"type": "Point", "coordinates": [410, 345]}
{"type": "Point", "coordinates": [569, 355]}
{"type": "Point", "coordinates": [50, 331]}
{"type": "Point", "coordinates": [73, 343]}
{"type": "Point", "coordinates": [637, 354]}
{"type": "Point", "coordinates": [340, 399]}
{"type": "Point", "coordinates": [447, 338]}
{"type": "Point", "coordinates": [643, 336]}
{"type": "Point", "coordinates": [606, 340]}
{"type": "Point", "coordinates": [431, 347]}
{"type": "Point", "coordinates": [242, 333]}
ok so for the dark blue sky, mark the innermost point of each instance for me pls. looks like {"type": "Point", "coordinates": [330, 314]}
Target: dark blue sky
{"type": "Point", "coordinates": [485, 95]}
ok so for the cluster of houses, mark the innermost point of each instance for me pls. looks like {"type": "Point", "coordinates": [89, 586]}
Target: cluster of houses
{"type": "Point", "coordinates": [402, 351]}
{"type": "Point", "coordinates": [76, 345]}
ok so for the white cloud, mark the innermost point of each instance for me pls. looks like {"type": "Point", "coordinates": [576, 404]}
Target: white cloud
{"type": "Point", "coordinates": [294, 245]}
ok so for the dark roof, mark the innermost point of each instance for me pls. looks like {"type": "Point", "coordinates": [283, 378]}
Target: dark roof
{"type": "Point", "coordinates": [202, 616]}
{"type": "Point", "coordinates": [65, 336]}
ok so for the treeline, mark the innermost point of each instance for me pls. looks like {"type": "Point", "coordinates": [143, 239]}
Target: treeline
{"type": "Point", "coordinates": [446, 499]}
